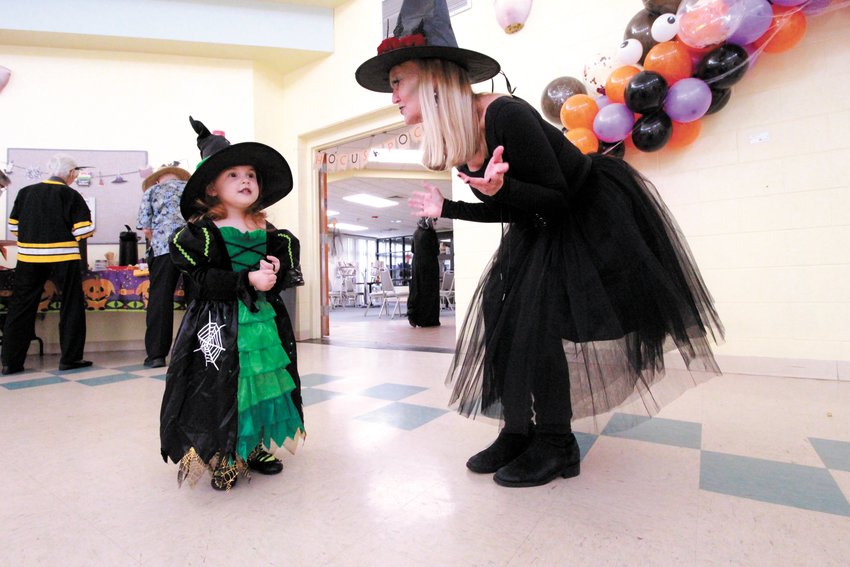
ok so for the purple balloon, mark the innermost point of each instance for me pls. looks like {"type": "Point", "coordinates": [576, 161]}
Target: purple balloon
{"type": "Point", "coordinates": [788, 2]}
{"type": "Point", "coordinates": [815, 7]}
{"type": "Point", "coordinates": [687, 100]}
{"type": "Point", "coordinates": [602, 101]}
{"type": "Point", "coordinates": [613, 122]}
{"type": "Point", "coordinates": [756, 20]}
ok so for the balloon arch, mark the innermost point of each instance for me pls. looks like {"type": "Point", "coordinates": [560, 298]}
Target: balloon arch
{"type": "Point", "coordinates": [678, 62]}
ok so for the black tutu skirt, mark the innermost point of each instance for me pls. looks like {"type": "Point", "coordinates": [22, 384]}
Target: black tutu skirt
{"type": "Point", "coordinates": [588, 304]}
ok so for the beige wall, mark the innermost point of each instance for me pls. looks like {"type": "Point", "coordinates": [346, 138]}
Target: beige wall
{"type": "Point", "coordinates": [768, 222]}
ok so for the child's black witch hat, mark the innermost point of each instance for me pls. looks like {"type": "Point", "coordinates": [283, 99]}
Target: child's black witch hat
{"type": "Point", "coordinates": [218, 154]}
{"type": "Point", "coordinates": [423, 31]}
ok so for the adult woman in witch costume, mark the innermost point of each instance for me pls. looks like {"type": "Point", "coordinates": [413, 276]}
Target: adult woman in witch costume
{"type": "Point", "coordinates": [591, 278]}
{"type": "Point", "coordinates": [232, 391]}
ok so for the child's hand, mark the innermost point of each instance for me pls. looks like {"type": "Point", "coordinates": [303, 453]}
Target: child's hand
{"type": "Point", "coordinates": [262, 279]}
{"type": "Point", "coordinates": [273, 264]}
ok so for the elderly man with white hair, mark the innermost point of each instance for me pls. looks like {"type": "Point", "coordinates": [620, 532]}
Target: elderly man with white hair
{"type": "Point", "coordinates": [48, 218]}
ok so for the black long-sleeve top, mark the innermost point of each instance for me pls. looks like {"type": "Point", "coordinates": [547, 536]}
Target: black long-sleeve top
{"type": "Point", "coordinates": [545, 169]}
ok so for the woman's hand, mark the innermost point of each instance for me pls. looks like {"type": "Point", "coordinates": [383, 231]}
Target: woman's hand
{"type": "Point", "coordinates": [428, 203]}
{"type": "Point", "coordinates": [272, 262]}
{"type": "Point", "coordinates": [494, 175]}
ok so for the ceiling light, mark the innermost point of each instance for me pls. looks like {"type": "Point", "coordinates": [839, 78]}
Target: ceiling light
{"type": "Point", "coordinates": [370, 201]}
{"type": "Point", "coordinates": [346, 226]}
{"type": "Point", "coordinates": [382, 155]}
{"type": "Point", "coordinates": [331, 213]}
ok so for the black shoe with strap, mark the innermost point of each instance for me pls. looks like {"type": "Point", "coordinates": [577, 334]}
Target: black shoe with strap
{"type": "Point", "coordinates": [506, 448]}
{"type": "Point", "coordinates": [547, 457]}
{"type": "Point", "coordinates": [264, 462]}
{"type": "Point", "coordinates": [224, 476]}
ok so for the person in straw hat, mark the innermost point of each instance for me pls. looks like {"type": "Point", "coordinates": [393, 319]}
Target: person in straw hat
{"type": "Point", "coordinates": [232, 392]}
{"type": "Point", "coordinates": [159, 216]}
{"type": "Point", "coordinates": [591, 279]}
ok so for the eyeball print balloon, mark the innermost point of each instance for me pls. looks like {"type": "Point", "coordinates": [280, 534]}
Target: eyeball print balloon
{"type": "Point", "coordinates": [665, 27]}
{"type": "Point", "coordinates": [639, 28]}
{"type": "Point", "coordinates": [630, 52]}
{"type": "Point", "coordinates": [706, 22]}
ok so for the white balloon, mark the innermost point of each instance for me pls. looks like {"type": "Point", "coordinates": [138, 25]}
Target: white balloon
{"type": "Point", "coordinates": [511, 14]}
{"type": "Point", "coordinates": [596, 72]}
{"type": "Point", "coordinates": [665, 27]}
{"type": "Point", "coordinates": [630, 52]}
{"type": "Point", "coordinates": [5, 74]}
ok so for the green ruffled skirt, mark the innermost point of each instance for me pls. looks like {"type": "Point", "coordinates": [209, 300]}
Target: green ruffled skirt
{"type": "Point", "coordinates": [266, 412]}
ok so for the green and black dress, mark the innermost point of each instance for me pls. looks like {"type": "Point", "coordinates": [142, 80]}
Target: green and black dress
{"type": "Point", "coordinates": [233, 381]}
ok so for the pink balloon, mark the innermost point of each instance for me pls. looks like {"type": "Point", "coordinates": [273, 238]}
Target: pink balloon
{"type": "Point", "coordinates": [707, 22]}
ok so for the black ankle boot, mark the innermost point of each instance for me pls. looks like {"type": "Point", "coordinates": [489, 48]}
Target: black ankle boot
{"type": "Point", "coordinates": [548, 457]}
{"type": "Point", "coordinates": [506, 448]}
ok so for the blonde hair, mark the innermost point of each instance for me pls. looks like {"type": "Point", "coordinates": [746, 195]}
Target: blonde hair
{"type": "Point", "coordinates": [449, 120]}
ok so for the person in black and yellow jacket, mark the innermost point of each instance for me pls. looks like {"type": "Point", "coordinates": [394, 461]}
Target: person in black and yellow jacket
{"type": "Point", "coordinates": [48, 219]}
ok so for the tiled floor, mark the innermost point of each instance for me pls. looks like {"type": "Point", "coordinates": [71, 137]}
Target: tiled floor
{"type": "Point", "coordinates": [742, 470]}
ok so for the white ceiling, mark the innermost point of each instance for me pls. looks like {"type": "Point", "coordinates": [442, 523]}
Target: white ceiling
{"type": "Point", "coordinates": [389, 181]}
{"type": "Point", "coordinates": [390, 221]}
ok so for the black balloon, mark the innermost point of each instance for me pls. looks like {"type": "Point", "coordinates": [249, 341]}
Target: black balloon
{"type": "Point", "coordinates": [556, 92]}
{"type": "Point", "coordinates": [719, 99]}
{"type": "Point", "coordinates": [662, 6]}
{"type": "Point", "coordinates": [640, 28]}
{"type": "Point", "coordinates": [652, 131]}
{"type": "Point", "coordinates": [723, 67]}
{"type": "Point", "coordinates": [617, 149]}
{"type": "Point", "coordinates": [646, 92]}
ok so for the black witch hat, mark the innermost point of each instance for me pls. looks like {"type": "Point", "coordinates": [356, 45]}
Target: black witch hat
{"type": "Point", "coordinates": [219, 154]}
{"type": "Point", "coordinates": [423, 31]}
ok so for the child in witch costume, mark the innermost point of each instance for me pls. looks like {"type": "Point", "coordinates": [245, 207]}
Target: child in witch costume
{"type": "Point", "coordinates": [232, 390]}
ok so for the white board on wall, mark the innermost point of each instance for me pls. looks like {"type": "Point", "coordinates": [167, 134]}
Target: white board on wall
{"type": "Point", "coordinates": [115, 186]}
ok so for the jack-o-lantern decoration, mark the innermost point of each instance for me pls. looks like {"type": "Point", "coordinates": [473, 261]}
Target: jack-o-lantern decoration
{"type": "Point", "coordinates": [47, 294]}
{"type": "Point", "coordinates": [97, 292]}
{"type": "Point", "coordinates": [143, 291]}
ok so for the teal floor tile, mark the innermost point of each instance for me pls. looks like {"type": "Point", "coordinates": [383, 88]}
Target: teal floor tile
{"type": "Point", "coordinates": [310, 380]}
{"type": "Point", "coordinates": [75, 370]}
{"type": "Point", "coordinates": [585, 442]}
{"type": "Point", "coordinates": [674, 432]}
{"type": "Point", "coordinates": [20, 384]}
{"type": "Point", "coordinates": [403, 416]}
{"type": "Point", "coordinates": [834, 454]}
{"type": "Point", "coordinates": [111, 379]}
{"type": "Point", "coordinates": [786, 484]}
{"type": "Point", "coordinates": [391, 392]}
{"type": "Point", "coordinates": [312, 396]}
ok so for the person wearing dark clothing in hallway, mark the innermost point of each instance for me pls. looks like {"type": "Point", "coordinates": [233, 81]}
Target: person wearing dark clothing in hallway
{"type": "Point", "coordinates": [423, 303]}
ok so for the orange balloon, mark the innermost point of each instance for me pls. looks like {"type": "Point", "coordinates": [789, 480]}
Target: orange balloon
{"type": "Point", "coordinates": [615, 86]}
{"type": "Point", "coordinates": [671, 60]}
{"type": "Point", "coordinates": [578, 111]}
{"type": "Point", "coordinates": [786, 30]}
{"type": "Point", "coordinates": [684, 133]}
{"type": "Point", "coordinates": [584, 139]}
